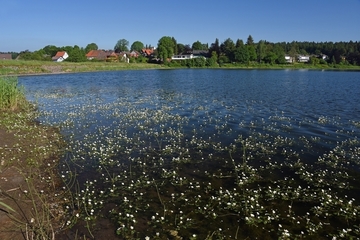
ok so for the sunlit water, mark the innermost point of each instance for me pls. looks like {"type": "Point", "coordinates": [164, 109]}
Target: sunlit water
{"type": "Point", "coordinates": [210, 153]}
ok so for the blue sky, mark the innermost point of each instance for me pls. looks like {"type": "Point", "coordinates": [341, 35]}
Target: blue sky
{"type": "Point", "coordinates": [34, 24]}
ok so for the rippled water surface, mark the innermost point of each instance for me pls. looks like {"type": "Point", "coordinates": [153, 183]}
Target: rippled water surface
{"type": "Point", "coordinates": [250, 153]}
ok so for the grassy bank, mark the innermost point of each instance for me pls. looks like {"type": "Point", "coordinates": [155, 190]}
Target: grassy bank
{"type": "Point", "coordinates": [40, 67]}
{"type": "Point", "coordinates": [30, 188]}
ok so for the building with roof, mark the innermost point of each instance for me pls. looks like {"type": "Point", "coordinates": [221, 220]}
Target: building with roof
{"type": "Point", "coordinates": [60, 56]}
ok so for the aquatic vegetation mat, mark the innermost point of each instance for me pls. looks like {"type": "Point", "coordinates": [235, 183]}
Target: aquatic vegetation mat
{"type": "Point", "coordinates": [169, 166]}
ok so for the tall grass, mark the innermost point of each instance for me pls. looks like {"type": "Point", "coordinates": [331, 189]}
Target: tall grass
{"type": "Point", "coordinates": [11, 95]}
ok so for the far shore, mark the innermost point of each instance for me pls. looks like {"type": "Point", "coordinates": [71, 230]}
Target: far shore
{"type": "Point", "coordinates": [24, 68]}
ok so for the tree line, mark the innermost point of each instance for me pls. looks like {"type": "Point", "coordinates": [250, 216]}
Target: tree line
{"type": "Point", "coordinates": [266, 52]}
{"type": "Point", "coordinates": [228, 51]}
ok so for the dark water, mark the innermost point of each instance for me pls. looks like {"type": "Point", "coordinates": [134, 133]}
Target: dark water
{"type": "Point", "coordinates": [245, 131]}
{"type": "Point", "coordinates": [314, 103]}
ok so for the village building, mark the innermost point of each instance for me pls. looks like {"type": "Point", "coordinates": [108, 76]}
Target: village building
{"type": "Point", "coordinates": [5, 56]}
{"type": "Point", "coordinates": [60, 56]}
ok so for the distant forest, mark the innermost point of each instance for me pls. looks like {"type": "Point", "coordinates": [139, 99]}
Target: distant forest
{"type": "Point", "coordinates": [228, 51]}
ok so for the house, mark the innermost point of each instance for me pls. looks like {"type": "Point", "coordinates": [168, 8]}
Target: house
{"type": "Point", "coordinates": [134, 54]}
{"type": "Point", "coordinates": [148, 52]}
{"type": "Point", "coordinates": [182, 57]}
{"type": "Point", "coordinates": [97, 54]}
{"type": "Point", "coordinates": [5, 56]}
{"type": "Point", "coordinates": [185, 56]}
{"type": "Point", "coordinates": [201, 53]}
{"type": "Point", "coordinates": [60, 56]}
{"type": "Point", "coordinates": [113, 57]}
{"type": "Point", "coordinates": [303, 58]}
{"type": "Point", "coordinates": [289, 59]}
{"type": "Point", "coordinates": [102, 55]}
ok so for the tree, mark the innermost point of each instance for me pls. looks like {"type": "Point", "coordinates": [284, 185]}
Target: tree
{"type": "Point", "coordinates": [228, 48]}
{"type": "Point", "coordinates": [137, 46]}
{"type": "Point", "coordinates": [215, 47]}
{"type": "Point", "coordinates": [211, 62]}
{"type": "Point", "coordinates": [91, 46]}
{"type": "Point", "coordinates": [239, 43]}
{"type": "Point", "coordinates": [165, 48]}
{"type": "Point", "coordinates": [76, 54]}
{"type": "Point", "coordinates": [181, 47]}
{"type": "Point", "coordinates": [293, 53]}
{"type": "Point", "coordinates": [122, 45]}
{"type": "Point", "coordinates": [252, 52]}
{"type": "Point", "coordinates": [198, 46]}
{"type": "Point", "coordinates": [50, 50]}
{"type": "Point", "coordinates": [270, 57]}
{"type": "Point", "coordinates": [187, 48]}
{"type": "Point", "coordinates": [250, 40]}
{"type": "Point", "coordinates": [261, 50]}
{"type": "Point", "coordinates": [175, 46]}
{"type": "Point", "coordinates": [242, 54]}
{"type": "Point", "coordinates": [280, 54]}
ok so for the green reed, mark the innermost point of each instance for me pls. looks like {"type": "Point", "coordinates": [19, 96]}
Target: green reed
{"type": "Point", "coordinates": [11, 95]}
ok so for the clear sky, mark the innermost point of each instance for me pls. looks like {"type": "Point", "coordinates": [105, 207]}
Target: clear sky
{"type": "Point", "coordinates": [34, 24]}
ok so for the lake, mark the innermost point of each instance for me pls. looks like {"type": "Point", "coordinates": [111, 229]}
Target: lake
{"type": "Point", "coordinates": [201, 154]}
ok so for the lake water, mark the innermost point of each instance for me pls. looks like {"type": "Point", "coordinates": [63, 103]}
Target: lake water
{"type": "Point", "coordinates": [199, 153]}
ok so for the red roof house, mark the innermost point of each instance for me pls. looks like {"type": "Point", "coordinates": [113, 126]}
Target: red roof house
{"type": "Point", "coordinates": [60, 56]}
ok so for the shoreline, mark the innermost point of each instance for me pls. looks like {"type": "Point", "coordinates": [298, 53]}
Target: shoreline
{"type": "Point", "coordinates": [37, 68]}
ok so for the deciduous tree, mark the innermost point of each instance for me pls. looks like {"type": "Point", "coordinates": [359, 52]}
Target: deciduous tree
{"type": "Point", "coordinates": [122, 45]}
{"type": "Point", "coordinates": [91, 46]}
{"type": "Point", "coordinates": [241, 53]}
{"type": "Point", "coordinates": [50, 50]}
{"type": "Point", "coordinates": [198, 46]}
{"type": "Point", "coordinates": [165, 48]}
{"type": "Point", "coordinates": [137, 46]}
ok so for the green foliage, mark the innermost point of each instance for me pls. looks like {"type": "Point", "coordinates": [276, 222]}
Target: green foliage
{"type": "Point", "coordinates": [141, 59]}
{"type": "Point", "coordinates": [270, 58]}
{"type": "Point", "coordinates": [76, 54]}
{"type": "Point", "coordinates": [50, 50]}
{"type": "Point", "coordinates": [223, 59]}
{"type": "Point", "coordinates": [261, 50]}
{"type": "Point", "coordinates": [165, 48]}
{"type": "Point", "coordinates": [198, 46]}
{"type": "Point", "coordinates": [212, 62]}
{"type": "Point", "coordinates": [252, 52]}
{"type": "Point", "coordinates": [39, 55]}
{"type": "Point", "coordinates": [11, 96]}
{"type": "Point", "coordinates": [314, 61]}
{"type": "Point", "coordinates": [137, 46]}
{"type": "Point", "coordinates": [280, 54]}
{"type": "Point", "coordinates": [180, 47]}
{"type": "Point", "coordinates": [91, 46]}
{"type": "Point", "coordinates": [215, 47]}
{"type": "Point", "coordinates": [121, 45]}
{"type": "Point", "coordinates": [175, 45]}
{"type": "Point", "coordinates": [250, 41]}
{"type": "Point", "coordinates": [228, 48]}
{"type": "Point", "coordinates": [242, 54]}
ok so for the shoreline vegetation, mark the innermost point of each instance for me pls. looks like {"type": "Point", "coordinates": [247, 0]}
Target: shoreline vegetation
{"type": "Point", "coordinates": [30, 187]}
{"type": "Point", "coordinates": [26, 67]}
